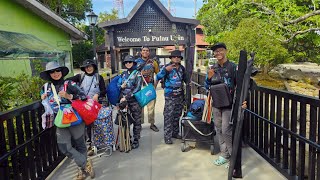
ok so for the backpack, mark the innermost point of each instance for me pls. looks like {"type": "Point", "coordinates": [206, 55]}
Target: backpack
{"type": "Point", "coordinates": [221, 96]}
{"type": "Point", "coordinates": [113, 91]}
{"type": "Point", "coordinates": [196, 109]}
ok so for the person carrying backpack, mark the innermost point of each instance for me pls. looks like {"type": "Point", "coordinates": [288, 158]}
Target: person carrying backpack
{"type": "Point", "coordinates": [223, 72]}
{"type": "Point", "coordinates": [130, 85]}
{"type": "Point", "coordinates": [66, 90]}
{"type": "Point", "coordinates": [174, 76]}
{"type": "Point", "coordinates": [149, 67]}
{"type": "Point", "coordinates": [93, 85]}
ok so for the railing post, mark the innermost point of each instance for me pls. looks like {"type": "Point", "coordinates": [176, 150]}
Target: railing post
{"type": "Point", "coordinates": [198, 79]}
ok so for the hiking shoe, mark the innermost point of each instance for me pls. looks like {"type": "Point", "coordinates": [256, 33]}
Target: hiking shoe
{"type": "Point", "coordinates": [81, 175]}
{"type": "Point", "coordinates": [154, 128]}
{"type": "Point", "coordinates": [168, 141]}
{"type": "Point", "coordinates": [135, 144]}
{"type": "Point", "coordinates": [89, 168]}
{"type": "Point", "coordinates": [90, 152]}
{"type": "Point", "coordinates": [177, 136]}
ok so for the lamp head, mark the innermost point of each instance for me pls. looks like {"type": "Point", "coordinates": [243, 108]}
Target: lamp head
{"type": "Point", "coordinates": [92, 18]}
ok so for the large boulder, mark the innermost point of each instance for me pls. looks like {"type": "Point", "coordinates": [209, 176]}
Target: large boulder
{"type": "Point", "coordinates": [295, 75]}
{"type": "Point", "coordinates": [306, 72]}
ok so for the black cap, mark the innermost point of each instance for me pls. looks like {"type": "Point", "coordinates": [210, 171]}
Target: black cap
{"type": "Point", "coordinates": [129, 58]}
{"type": "Point", "coordinates": [218, 45]}
{"type": "Point", "coordinates": [176, 53]}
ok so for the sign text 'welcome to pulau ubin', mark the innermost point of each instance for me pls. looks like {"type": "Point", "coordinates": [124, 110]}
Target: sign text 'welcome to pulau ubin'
{"type": "Point", "coordinates": [149, 38]}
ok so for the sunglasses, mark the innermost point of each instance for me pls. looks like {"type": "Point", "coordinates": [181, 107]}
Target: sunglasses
{"type": "Point", "coordinates": [175, 56]}
{"type": "Point", "coordinates": [128, 62]}
{"type": "Point", "coordinates": [55, 70]}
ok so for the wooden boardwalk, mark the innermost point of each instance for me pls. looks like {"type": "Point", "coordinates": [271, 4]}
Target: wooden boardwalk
{"type": "Point", "coordinates": [155, 160]}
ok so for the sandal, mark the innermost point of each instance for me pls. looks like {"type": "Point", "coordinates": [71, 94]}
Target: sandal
{"type": "Point", "coordinates": [220, 161]}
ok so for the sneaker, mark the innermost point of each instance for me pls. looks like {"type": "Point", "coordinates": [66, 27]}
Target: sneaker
{"type": "Point", "coordinates": [89, 168]}
{"type": "Point", "coordinates": [81, 175]}
{"type": "Point", "coordinates": [168, 141]}
{"type": "Point", "coordinates": [90, 152]}
{"type": "Point", "coordinates": [135, 144]}
{"type": "Point", "coordinates": [154, 128]}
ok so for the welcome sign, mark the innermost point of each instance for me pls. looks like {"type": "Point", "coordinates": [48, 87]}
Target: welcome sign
{"type": "Point", "coordinates": [150, 39]}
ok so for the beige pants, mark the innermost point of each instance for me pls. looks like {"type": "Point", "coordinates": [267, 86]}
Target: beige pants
{"type": "Point", "coordinates": [150, 107]}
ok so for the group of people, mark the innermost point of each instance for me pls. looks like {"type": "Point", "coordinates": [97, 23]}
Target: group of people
{"type": "Point", "coordinates": [71, 140]}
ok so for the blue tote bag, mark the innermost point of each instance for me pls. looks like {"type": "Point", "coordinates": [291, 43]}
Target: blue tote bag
{"type": "Point", "coordinates": [146, 94]}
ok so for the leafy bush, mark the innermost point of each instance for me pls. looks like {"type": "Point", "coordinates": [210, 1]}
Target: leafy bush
{"type": "Point", "coordinates": [5, 93]}
{"type": "Point", "coordinates": [19, 91]}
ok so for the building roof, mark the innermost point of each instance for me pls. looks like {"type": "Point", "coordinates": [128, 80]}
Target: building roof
{"type": "Point", "coordinates": [200, 37]}
{"type": "Point", "coordinates": [200, 40]}
{"type": "Point", "coordinates": [137, 7]}
{"type": "Point", "coordinates": [200, 26]}
{"type": "Point", "coordinates": [42, 11]}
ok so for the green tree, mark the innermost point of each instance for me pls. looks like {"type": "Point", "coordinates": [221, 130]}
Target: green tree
{"type": "Point", "coordinates": [293, 23]}
{"type": "Point", "coordinates": [72, 11]}
{"type": "Point", "coordinates": [252, 36]}
{"type": "Point", "coordinates": [83, 50]}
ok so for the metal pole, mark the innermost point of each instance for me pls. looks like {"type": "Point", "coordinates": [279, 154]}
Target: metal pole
{"type": "Point", "coordinates": [195, 8]}
{"type": "Point", "coordinates": [94, 44]}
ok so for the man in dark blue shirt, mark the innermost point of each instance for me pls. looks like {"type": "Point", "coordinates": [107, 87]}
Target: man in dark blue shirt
{"type": "Point", "coordinates": [223, 71]}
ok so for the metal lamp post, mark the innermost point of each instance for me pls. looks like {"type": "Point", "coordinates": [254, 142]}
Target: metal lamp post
{"type": "Point", "coordinates": [92, 18]}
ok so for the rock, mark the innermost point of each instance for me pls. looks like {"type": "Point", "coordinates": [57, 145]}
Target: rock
{"type": "Point", "coordinates": [302, 88]}
{"type": "Point", "coordinates": [295, 75]}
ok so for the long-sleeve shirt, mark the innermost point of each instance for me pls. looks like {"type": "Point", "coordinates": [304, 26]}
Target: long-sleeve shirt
{"type": "Point", "coordinates": [84, 81]}
{"type": "Point", "coordinates": [173, 80]}
{"type": "Point", "coordinates": [149, 68]}
{"type": "Point", "coordinates": [133, 83]}
{"type": "Point", "coordinates": [72, 88]}
{"type": "Point", "coordinates": [223, 74]}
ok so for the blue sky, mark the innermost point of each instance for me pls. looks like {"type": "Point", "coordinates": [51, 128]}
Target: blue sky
{"type": "Point", "coordinates": [183, 8]}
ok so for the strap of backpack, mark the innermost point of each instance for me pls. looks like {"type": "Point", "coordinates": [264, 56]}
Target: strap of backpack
{"type": "Point", "coordinates": [55, 95]}
{"type": "Point", "coordinates": [46, 88]}
{"type": "Point", "coordinates": [81, 78]}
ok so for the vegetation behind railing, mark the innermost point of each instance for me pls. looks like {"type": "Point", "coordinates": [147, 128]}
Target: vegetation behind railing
{"type": "Point", "coordinates": [277, 127]}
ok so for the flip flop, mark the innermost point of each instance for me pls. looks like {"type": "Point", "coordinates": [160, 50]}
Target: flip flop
{"type": "Point", "coordinates": [220, 161]}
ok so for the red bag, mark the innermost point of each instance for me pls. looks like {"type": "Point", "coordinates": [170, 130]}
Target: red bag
{"type": "Point", "coordinates": [88, 110]}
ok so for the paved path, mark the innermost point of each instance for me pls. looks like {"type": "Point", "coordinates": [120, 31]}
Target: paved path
{"type": "Point", "coordinates": [155, 160]}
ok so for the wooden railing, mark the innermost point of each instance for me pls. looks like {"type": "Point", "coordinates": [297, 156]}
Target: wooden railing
{"type": "Point", "coordinates": [283, 128]}
{"type": "Point", "coordinates": [26, 150]}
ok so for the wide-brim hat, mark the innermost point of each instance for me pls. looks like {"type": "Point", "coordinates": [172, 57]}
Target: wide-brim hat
{"type": "Point", "coordinates": [45, 75]}
{"type": "Point", "coordinates": [218, 45]}
{"type": "Point", "coordinates": [176, 53]}
{"type": "Point", "coordinates": [87, 63]}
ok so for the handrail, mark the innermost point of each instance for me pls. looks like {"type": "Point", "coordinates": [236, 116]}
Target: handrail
{"type": "Point", "coordinates": [315, 145]}
{"type": "Point", "coordinates": [13, 151]}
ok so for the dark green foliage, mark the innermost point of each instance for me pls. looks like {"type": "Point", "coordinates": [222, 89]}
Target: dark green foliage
{"type": "Point", "coordinates": [72, 11]}
{"type": "Point", "coordinates": [19, 91]}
